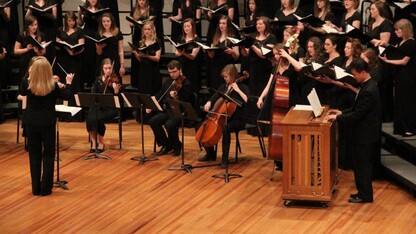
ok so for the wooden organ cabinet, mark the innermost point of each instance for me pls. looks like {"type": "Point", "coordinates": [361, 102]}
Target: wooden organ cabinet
{"type": "Point", "coordinates": [310, 157]}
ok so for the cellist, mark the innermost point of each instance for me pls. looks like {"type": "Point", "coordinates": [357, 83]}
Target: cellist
{"type": "Point", "coordinates": [238, 92]}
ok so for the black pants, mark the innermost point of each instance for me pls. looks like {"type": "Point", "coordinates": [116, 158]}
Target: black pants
{"type": "Point", "coordinates": [171, 124]}
{"type": "Point", "coordinates": [41, 161]}
{"type": "Point", "coordinates": [233, 125]}
{"type": "Point", "coordinates": [362, 159]}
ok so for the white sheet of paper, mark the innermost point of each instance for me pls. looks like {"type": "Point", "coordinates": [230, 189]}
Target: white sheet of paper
{"type": "Point", "coordinates": [70, 109]}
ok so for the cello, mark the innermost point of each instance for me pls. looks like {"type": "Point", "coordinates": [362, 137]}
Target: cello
{"type": "Point", "coordinates": [279, 92]}
{"type": "Point", "coordinates": [210, 132]}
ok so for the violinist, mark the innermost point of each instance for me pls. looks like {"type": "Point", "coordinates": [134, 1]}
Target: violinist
{"type": "Point", "coordinates": [106, 83]}
{"type": "Point", "coordinates": [179, 88]}
{"type": "Point", "coordinates": [239, 92]}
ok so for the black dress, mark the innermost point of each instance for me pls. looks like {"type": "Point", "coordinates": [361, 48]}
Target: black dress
{"type": "Point", "coordinates": [405, 95]}
{"type": "Point", "coordinates": [137, 32]}
{"type": "Point", "coordinates": [46, 25]}
{"type": "Point", "coordinates": [110, 51]}
{"type": "Point", "coordinates": [191, 68]}
{"type": "Point", "coordinates": [89, 56]}
{"type": "Point", "coordinates": [188, 12]}
{"type": "Point", "coordinates": [356, 16]}
{"type": "Point", "coordinates": [217, 63]}
{"type": "Point", "coordinates": [25, 58]}
{"type": "Point", "coordinates": [259, 67]}
{"type": "Point", "coordinates": [385, 84]}
{"type": "Point", "coordinates": [327, 92]}
{"type": "Point", "coordinates": [290, 19]}
{"type": "Point", "coordinates": [71, 64]}
{"type": "Point", "coordinates": [149, 75]}
{"type": "Point", "coordinates": [215, 19]}
{"type": "Point", "coordinates": [5, 43]}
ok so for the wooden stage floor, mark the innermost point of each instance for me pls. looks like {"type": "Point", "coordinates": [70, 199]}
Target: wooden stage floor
{"type": "Point", "coordinates": [120, 196]}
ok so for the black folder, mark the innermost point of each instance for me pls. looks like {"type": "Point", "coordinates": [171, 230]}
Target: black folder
{"type": "Point", "coordinates": [97, 13]}
{"type": "Point", "coordinates": [41, 10]}
{"type": "Point", "coordinates": [311, 20]}
{"type": "Point", "coordinates": [391, 52]}
{"type": "Point", "coordinates": [137, 24]}
{"type": "Point", "coordinates": [64, 44]}
{"type": "Point", "coordinates": [37, 44]}
{"type": "Point", "coordinates": [357, 33]}
{"type": "Point", "coordinates": [99, 41]}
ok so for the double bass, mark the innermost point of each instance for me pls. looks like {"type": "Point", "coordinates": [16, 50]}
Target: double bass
{"type": "Point", "coordinates": [210, 132]}
{"type": "Point", "coordinates": [278, 109]}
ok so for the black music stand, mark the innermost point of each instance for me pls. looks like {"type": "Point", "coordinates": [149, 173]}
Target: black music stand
{"type": "Point", "coordinates": [227, 175]}
{"type": "Point", "coordinates": [142, 102]}
{"type": "Point", "coordinates": [62, 109]}
{"type": "Point", "coordinates": [94, 101]}
{"type": "Point", "coordinates": [184, 110]}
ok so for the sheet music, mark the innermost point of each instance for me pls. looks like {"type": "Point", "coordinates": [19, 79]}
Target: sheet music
{"type": "Point", "coordinates": [77, 100]}
{"type": "Point", "coordinates": [303, 107]}
{"type": "Point", "coordinates": [156, 103]}
{"type": "Point", "coordinates": [126, 100]}
{"type": "Point", "coordinates": [315, 103]}
{"type": "Point", "coordinates": [70, 109]}
{"type": "Point", "coordinates": [117, 101]}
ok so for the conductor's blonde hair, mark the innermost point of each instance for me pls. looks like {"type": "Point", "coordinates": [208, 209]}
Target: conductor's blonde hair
{"type": "Point", "coordinates": [41, 81]}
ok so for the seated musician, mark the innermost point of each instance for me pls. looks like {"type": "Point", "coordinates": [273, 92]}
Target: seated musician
{"type": "Point", "coordinates": [237, 91]}
{"type": "Point", "coordinates": [179, 88]}
{"type": "Point", "coordinates": [95, 119]}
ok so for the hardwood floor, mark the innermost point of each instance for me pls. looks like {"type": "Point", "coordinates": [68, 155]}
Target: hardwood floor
{"type": "Point", "coordinates": [120, 196]}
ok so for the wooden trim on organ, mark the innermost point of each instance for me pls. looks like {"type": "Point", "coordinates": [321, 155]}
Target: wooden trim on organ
{"type": "Point", "coordinates": [310, 156]}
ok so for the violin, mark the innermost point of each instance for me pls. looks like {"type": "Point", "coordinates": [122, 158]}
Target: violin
{"type": "Point", "coordinates": [210, 132]}
{"type": "Point", "coordinates": [111, 79]}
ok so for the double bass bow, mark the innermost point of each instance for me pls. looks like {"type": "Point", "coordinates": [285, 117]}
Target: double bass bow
{"type": "Point", "coordinates": [279, 92]}
{"type": "Point", "coordinates": [210, 132]}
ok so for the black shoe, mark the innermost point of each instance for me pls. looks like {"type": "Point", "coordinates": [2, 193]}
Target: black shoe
{"type": "Point", "coordinates": [101, 150]}
{"type": "Point", "coordinates": [352, 195]}
{"type": "Point", "coordinates": [92, 150]}
{"type": "Point", "coordinates": [164, 150]}
{"type": "Point", "coordinates": [46, 193]}
{"type": "Point", "coordinates": [207, 157]}
{"type": "Point", "coordinates": [176, 152]}
{"type": "Point", "coordinates": [358, 199]}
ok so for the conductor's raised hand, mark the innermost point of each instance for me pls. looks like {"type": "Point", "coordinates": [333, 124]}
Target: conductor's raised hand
{"type": "Point", "coordinates": [69, 78]}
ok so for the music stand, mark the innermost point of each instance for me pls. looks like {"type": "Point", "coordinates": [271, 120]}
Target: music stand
{"type": "Point", "coordinates": [62, 109]}
{"type": "Point", "coordinates": [94, 101]}
{"type": "Point", "coordinates": [142, 102]}
{"type": "Point", "coordinates": [227, 175]}
{"type": "Point", "coordinates": [184, 110]}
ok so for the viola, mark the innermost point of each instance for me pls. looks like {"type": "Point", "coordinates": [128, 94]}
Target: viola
{"type": "Point", "coordinates": [210, 132]}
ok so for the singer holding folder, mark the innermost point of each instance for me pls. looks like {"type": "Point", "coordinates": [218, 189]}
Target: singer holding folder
{"type": "Point", "coordinates": [40, 121]}
{"type": "Point", "coordinates": [179, 88]}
